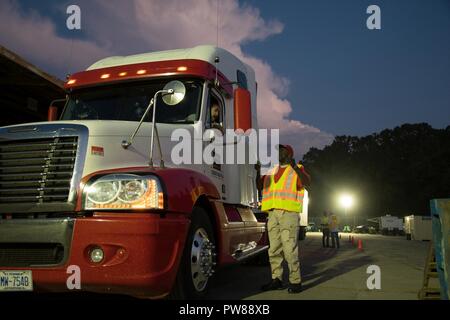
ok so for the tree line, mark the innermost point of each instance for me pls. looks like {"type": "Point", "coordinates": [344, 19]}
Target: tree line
{"type": "Point", "coordinates": [396, 171]}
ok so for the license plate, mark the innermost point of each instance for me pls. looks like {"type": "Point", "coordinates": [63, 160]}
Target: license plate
{"type": "Point", "coordinates": [16, 280]}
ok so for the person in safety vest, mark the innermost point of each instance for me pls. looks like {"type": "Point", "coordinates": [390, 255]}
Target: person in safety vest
{"type": "Point", "coordinates": [282, 197]}
{"type": "Point", "coordinates": [324, 223]}
{"type": "Point", "coordinates": [334, 230]}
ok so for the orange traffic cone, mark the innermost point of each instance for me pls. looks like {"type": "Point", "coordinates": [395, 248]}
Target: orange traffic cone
{"type": "Point", "coordinates": [360, 246]}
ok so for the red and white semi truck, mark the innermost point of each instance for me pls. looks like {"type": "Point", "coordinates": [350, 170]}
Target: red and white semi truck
{"type": "Point", "coordinates": [85, 192]}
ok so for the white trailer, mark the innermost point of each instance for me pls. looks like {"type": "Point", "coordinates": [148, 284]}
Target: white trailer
{"type": "Point", "coordinates": [418, 228]}
{"type": "Point", "coordinates": [390, 224]}
{"type": "Point", "coordinates": [304, 217]}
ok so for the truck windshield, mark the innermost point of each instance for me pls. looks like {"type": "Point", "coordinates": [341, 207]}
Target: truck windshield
{"type": "Point", "coordinates": [128, 102]}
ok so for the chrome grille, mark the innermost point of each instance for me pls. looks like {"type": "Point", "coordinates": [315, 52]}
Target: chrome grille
{"type": "Point", "coordinates": [37, 171]}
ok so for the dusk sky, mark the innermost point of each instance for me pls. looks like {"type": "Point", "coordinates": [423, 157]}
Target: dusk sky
{"type": "Point", "coordinates": [321, 71]}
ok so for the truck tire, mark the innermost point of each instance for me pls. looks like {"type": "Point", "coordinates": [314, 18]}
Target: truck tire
{"type": "Point", "coordinates": [198, 260]}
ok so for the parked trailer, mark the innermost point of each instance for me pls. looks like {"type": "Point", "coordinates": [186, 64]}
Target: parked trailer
{"type": "Point", "coordinates": [418, 227]}
{"type": "Point", "coordinates": [389, 225]}
{"type": "Point", "coordinates": [304, 217]}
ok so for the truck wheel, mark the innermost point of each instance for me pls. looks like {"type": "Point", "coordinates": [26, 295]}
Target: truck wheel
{"type": "Point", "coordinates": [199, 259]}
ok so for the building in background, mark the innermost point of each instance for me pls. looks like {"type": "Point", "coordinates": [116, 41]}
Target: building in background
{"type": "Point", "coordinates": [25, 90]}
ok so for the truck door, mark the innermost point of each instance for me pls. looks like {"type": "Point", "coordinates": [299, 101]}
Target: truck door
{"type": "Point", "coordinates": [215, 118]}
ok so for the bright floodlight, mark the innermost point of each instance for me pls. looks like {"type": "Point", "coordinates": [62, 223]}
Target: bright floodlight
{"type": "Point", "coordinates": [346, 201]}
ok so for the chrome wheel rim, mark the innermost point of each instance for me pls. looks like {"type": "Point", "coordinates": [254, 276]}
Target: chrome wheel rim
{"type": "Point", "coordinates": [202, 259]}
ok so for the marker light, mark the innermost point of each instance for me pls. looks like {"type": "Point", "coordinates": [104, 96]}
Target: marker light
{"type": "Point", "coordinates": [105, 76]}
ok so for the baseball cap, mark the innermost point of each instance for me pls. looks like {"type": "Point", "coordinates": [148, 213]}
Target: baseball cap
{"type": "Point", "coordinates": [287, 147]}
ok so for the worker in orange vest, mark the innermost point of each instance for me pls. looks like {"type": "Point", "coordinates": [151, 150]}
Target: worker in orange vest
{"type": "Point", "coordinates": [282, 198]}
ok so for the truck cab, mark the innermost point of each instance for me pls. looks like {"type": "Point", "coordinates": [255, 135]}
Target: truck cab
{"type": "Point", "coordinates": [86, 190]}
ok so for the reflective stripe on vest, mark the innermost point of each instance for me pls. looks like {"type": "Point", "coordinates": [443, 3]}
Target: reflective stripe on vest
{"type": "Point", "coordinates": [282, 194]}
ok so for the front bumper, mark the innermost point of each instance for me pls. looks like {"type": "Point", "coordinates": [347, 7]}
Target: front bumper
{"type": "Point", "coordinates": [142, 254]}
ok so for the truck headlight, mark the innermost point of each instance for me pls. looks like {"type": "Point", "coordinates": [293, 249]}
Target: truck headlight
{"type": "Point", "coordinates": [123, 191]}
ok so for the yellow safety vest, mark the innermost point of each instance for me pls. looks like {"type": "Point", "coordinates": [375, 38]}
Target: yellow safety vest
{"type": "Point", "coordinates": [282, 194]}
{"type": "Point", "coordinates": [333, 222]}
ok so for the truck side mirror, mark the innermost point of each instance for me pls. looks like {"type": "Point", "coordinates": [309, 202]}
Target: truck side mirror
{"type": "Point", "coordinates": [175, 92]}
{"type": "Point", "coordinates": [52, 114]}
{"type": "Point", "coordinates": [242, 109]}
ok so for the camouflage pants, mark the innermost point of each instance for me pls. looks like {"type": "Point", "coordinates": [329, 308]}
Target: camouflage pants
{"type": "Point", "coordinates": [283, 237]}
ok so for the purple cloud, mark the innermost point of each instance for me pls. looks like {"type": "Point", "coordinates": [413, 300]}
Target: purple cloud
{"type": "Point", "coordinates": [118, 27]}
